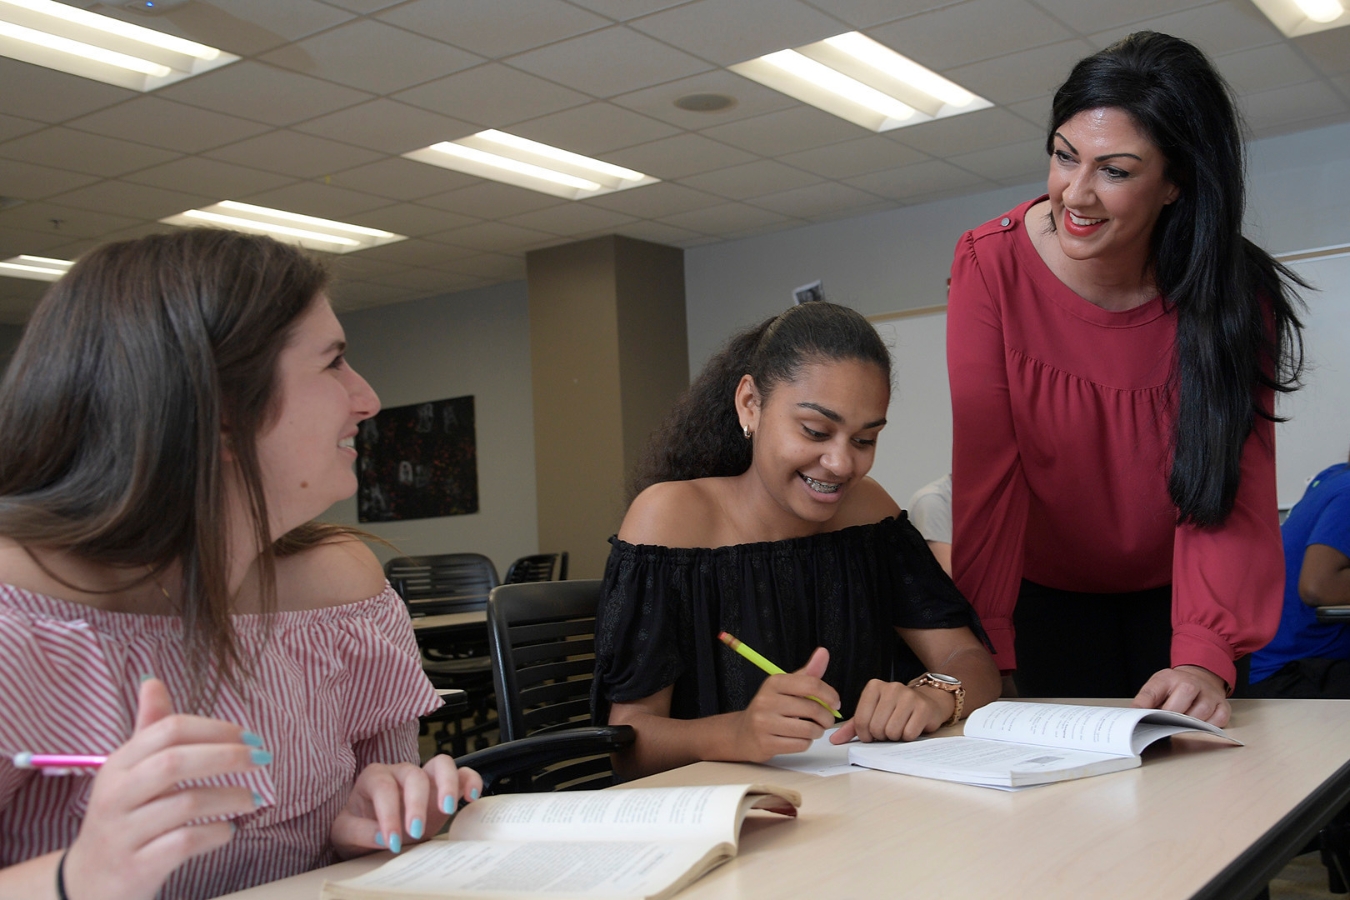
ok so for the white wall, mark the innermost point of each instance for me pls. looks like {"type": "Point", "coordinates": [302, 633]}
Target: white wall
{"type": "Point", "coordinates": [1298, 198]}
{"type": "Point", "coordinates": [472, 342]}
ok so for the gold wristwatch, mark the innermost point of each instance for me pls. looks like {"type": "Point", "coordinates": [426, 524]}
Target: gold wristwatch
{"type": "Point", "coordinates": [944, 683]}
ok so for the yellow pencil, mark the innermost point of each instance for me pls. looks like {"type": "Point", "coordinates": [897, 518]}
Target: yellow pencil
{"type": "Point", "coordinates": [767, 666]}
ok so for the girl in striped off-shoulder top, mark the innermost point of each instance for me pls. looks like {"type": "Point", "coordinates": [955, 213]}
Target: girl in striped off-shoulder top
{"type": "Point", "coordinates": [177, 413]}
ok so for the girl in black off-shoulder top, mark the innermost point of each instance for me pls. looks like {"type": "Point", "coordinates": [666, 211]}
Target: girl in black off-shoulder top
{"type": "Point", "coordinates": [754, 516]}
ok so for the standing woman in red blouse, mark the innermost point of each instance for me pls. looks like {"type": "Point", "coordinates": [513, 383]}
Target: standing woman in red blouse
{"type": "Point", "coordinates": [1113, 349]}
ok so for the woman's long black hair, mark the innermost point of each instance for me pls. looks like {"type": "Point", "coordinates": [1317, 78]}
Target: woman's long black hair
{"type": "Point", "coordinates": [1237, 327]}
{"type": "Point", "coordinates": [702, 438]}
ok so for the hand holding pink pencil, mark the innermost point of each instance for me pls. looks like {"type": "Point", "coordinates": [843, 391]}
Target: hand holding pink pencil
{"type": "Point", "coordinates": [766, 665]}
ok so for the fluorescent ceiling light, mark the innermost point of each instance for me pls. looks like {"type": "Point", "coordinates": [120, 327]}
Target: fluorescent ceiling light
{"type": "Point", "coordinates": [38, 268]}
{"type": "Point", "coordinates": [509, 158]}
{"type": "Point", "coordinates": [82, 43]}
{"type": "Point", "coordinates": [288, 227]}
{"type": "Point", "coordinates": [854, 77]}
{"type": "Point", "coordinates": [1300, 17]}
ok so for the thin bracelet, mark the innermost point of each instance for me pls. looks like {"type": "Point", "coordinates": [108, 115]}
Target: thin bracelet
{"type": "Point", "coordinates": [61, 876]}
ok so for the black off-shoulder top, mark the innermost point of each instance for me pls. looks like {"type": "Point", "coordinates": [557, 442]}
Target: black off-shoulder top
{"type": "Point", "coordinates": [662, 608]}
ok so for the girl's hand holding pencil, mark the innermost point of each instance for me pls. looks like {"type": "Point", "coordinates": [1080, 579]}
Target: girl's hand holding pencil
{"type": "Point", "coordinates": [790, 710]}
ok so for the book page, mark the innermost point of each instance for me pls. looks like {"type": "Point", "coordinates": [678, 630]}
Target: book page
{"type": "Point", "coordinates": [821, 758]}
{"type": "Point", "coordinates": [559, 869]}
{"type": "Point", "coordinates": [1103, 729]}
{"type": "Point", "coordinates": [709, 814]}
{"type": "Point", "coordinates": [984, 762]}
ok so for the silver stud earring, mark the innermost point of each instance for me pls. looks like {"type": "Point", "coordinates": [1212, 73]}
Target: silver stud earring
{"type": "Point", "coordinates": [745, 429]}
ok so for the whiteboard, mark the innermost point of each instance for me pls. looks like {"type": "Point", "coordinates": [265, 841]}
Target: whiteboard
{"type": "Point", "coordinates": [916, 445]}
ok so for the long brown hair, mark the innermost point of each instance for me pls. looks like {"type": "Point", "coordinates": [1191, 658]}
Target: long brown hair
{"type": "Point", "coordinates": [113, 409]}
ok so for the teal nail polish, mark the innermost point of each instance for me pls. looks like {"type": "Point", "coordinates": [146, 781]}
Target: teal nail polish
{"type": "Point", "coordinates": [448, 805]}
{"type": "Point", "coordinates": [379, 839]}
{"type": "Point", "coordinates": [251, 739]}
{"type": "Point", "coordinates": [144, 678]}
{"type": "Point", "coordinates": [260, 757]}
{"type": "Point", "coordinates": [415, 831]}
{"type": "Point", "coordinates": [257, 800]}
{"type": "Point", "coordinates": [395, 843]}
{"type": "Point", "coordinates": [473, 794]}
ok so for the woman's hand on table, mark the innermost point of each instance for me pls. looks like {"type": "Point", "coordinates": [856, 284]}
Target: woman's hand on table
{"type": "Point", "coordinates": [781, 718]}
{"type": "Point", "coordinates": [890, 711]}
{"type": "Point", "coordinates": [141, 824]}
{"type": "Point", "coordinates": [1187, 689]}
{"type": "Point", "coordinates": [394, 805]}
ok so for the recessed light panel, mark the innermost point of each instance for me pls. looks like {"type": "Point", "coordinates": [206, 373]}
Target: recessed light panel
{"type": "Point", "coordinates": [288, 227]}
{"type": "Point", "coordinates": [854, 77]}
{"type": "Point", "coordinates": [504, 157]}
{"type": "Point", "coordinates": [38, 268]}
{"type": "Point", "coordinates": [1299, 17]}
{"type": "Point", "coordinates": [46, 33]}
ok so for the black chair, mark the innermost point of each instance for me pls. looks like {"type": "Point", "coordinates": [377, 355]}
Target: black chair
{"type": "Point", "coordinates": [542, 639]}
{"type": "Point", "coordinates": [451, 583]}
{"type": "Point", "coordinates": [539, 567]}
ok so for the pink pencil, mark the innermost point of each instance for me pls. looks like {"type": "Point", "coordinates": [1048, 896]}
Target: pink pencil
{"type": "Point", "coordinates": [57, 763]}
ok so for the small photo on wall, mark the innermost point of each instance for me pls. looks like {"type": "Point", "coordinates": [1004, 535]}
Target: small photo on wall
{"type": "Point", "coordinates": [418, 462]}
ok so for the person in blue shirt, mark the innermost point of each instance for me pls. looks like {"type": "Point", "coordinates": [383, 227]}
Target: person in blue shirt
{"type": "Point", "coordinates": [1309, 659]}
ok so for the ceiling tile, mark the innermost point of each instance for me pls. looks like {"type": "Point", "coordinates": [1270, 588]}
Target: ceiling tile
{"type": "Point", "coordinates": [682, 155]}
{"type": "Point", "coordinates": [658, 233]}
{"type": "Point", "coordinates": [45, 217]}
{"type": "Point", "coordinates": [81, 152]}
{"type": "Point", "coordinates": [496, 28]}
{"type": "Point", "coordinates": [372, 56]}
{"type": "Point", "coordinates": [918, 179]}
{"type": "Point", "coordinates": [313, 198]}
{"type": "Point", "coordinates": [1264, 68]}
{"type": "Point", "coordinates": [18, 296]}
{"type": "Point", "coordinates": [497, 236]}
{"type": "Point", "coordinates": [786, 131]}
{"type": "Point", "coordinates": [31, 182]}
{"type": "Point", "coordinates": [349, 296]}
{"type": "Point", "coordinates": [13, 126]}
{"type": "Point", "coordinates": [355, 267]}
{"type": "Point", "coordinates": [221, 180]}
{"type": "Point", "coordinates": [492, 200]}
{"type": "Point", "coordinates": [412, 252]}
{"type": "Point", "coordinates": [293, 153]}
{"type": "Point", "coordinates": [1015, 163]}
{"type": "Point", "coordinates": [816, 200]}
{"type": "Point", "coordinates": [423, 281]}
{"type": "Point", "coordinates": [134, 200]}
{"type": "Point", "coordinates": [572, 219]}
{"type": "Point", "coordinates": [263, 93]}
{"type": "Point", "coordinates": [751, 99]}
{"type": "Point", "coordinates": [1022, 75]}
{"type": "Point", "coordinates": [403, 179]}
{"type": "Point", "coordinates": [730, 218]}
{"type": "Point", "coordinates": [1086, 16]}
{"type": "Point", "coordinates": [964, 134]}
{"type": "Point", "coordinates": [36, 92]}
{"type": "Point", "coordinates": [655, 200]}
{"type": "Point", "coordinates": [14, 241]}
{"type": "Point", "coordinates": [1328, 50]}
{"type": "Point", "coordinates": [866, 13]}
{"type": "Point", "coordinates": [248, 27]}
{"type": "Point", "coordinates": [616, 60]}
{"type": "Point", "coordinates": [594, 128]}
{"type": "Point", "coordinates": [1036, 111]}
{"type": "Point", "coordinates": [765, 176]}
{"type": "Point", "coordinates": [732, 31]}
{"type": "Point", "coordinates": [862, 209]}
{"type": "Point", "coordinates": [493, 266]}
{"type": "Point", "coordinates": [622, 10]}
{"type": "Point", "coordinates": [412, 219]}
{"type": "Point", "coordinates": [1216, 28]}
{"type": "Point", "coordinates": [164, 123]}
{"type": "Point", "coordinates": [1271, 112]}
{"type": "Point", "coordinates": [849, 158]}
{"type": "Point", "coordinates": [77, 248]}
{"type": "Point", "coordinates": [493, 96]}
{"type": "Point", "coordinates": [365, 7]}
{"type": "Point", "coordinates": [388, 126]}
{"type": "Point", "coordinates": [981, 29]}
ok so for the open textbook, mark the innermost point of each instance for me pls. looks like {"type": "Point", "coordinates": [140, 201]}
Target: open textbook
{"type": "Point", "coordinates": [640, 843]}
{"type": "Point", "coordinates": [1009, 744]}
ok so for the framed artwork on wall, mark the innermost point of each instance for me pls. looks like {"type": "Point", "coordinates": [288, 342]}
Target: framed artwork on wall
{"type": "Point", "coordinates": [418, 462]}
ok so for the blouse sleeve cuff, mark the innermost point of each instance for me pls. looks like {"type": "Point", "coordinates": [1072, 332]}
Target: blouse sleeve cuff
{"type": "Point", "coordinates": [1193, 645]}
{"type": "Point", "coordinates": [1000, 633]}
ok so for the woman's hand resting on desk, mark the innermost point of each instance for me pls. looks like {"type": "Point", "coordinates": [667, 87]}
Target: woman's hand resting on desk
{"type": "Point", "coordinates": [391, 805]}
{"type": "Point", "coordinates": [137, 828]}
{"type": "Point", "coordinates": [890, 711]}
{"type": "Point", "coordinates": [781, 718]}
{"type": "Point", "coordinates": [1187, 689]}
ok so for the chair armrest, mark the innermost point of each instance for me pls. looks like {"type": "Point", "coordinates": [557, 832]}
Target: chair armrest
{"type": "Point", "coordinates": [539, 750]}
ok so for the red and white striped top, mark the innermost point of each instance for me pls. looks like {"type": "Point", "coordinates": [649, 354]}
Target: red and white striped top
{"type": "Point", "coordinates": [335, 689]}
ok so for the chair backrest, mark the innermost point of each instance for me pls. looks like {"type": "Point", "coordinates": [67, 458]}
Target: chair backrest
{"type": "Point", "coordinates": [539, 567]}
{"type": "Point", "coordinates": [449, 581]}
{"type": "Point", "coordinates": [542, 639]}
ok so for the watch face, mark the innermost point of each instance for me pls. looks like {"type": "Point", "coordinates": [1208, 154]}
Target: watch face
{"type": "Point", "coordinates": [945, 679]}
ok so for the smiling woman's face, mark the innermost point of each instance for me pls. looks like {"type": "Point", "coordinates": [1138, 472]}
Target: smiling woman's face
{"type": "Point", "coordinates": [1108, 184]}
{"type": "Point", "coordinates": [815, 437]}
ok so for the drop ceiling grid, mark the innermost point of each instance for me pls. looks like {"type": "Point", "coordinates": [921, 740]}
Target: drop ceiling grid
{"type": "Point", "coordinates": [330, 92]}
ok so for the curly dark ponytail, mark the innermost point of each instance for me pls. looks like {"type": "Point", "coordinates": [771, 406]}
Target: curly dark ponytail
{"type": "Point", "coordinates": [701, 437]}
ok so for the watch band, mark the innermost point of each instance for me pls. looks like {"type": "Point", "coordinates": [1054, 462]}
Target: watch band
{"type": "Point", "coordinates": [944, 683]}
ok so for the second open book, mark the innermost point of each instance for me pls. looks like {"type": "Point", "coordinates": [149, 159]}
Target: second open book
{"type": "Point", "coordinates": [1009, 744]}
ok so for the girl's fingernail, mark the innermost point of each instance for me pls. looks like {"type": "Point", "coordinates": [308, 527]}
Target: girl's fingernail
{"type": "Point", "coordinates": [448, 805]}
{"type": "Point", "coordinates": [415, 830]}
{"type": "Point", "coordinates": [473, 794]}
{"type": "Point", "coordinates": [379, 839]}
{"type": "Point", "coordinates": [144, 678]}
{"type": "Point", "coordinates": [260, 757]}
{"type": "Point", "coordinates": [257, 800]}
{"type": "Point", "coordinates": [251, 739]}
{"type": "Point", "coordinates": [395, 843]}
